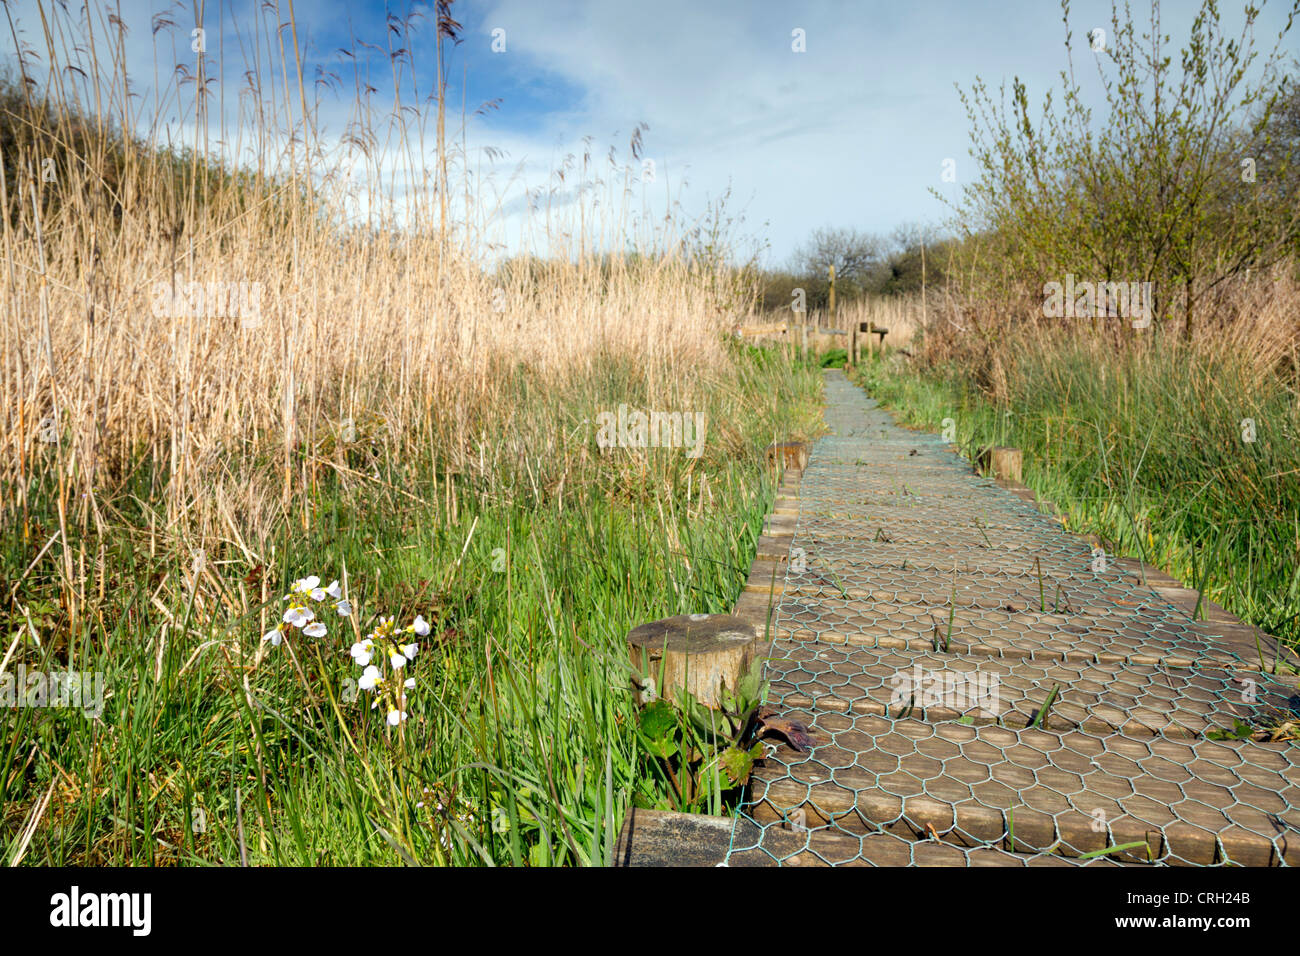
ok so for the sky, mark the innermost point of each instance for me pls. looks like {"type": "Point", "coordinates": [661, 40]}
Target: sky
{"type": "Point", "coordinates": [853, 130]}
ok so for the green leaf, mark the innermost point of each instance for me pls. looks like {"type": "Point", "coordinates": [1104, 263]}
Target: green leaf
{"type": "Point", "coordinates": [750, 686]}
{"type": "Point", "coordinates": [658, 720]}
{"type": "Point", "coordinates": [1240, 731]}
{"type": "Point", "coordinates": [664, 748]}
{"type": "Point", "coordinates": [1113, 849]}
{"type": "Point", "coordinates": [737, 763]}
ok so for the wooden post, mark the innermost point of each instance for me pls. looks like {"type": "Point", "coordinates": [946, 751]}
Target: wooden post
{"type": "Point", "coordinates": [853, 344]}
{"type": "Point", "coordinates": [698, 653]}
{"type": "Point", "coordinates": [832, 310]}
{"type": "Point", "coordinates": [1006, 463]}
{"type": "Point", "coordinates": [790, 455]}
{"type": "Point", "coordinates": [925, 313]}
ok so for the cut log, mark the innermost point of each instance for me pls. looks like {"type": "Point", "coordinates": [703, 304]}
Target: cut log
{"type": "Point", "coordinates": [788, 454]}
{"type": "Point", "coordinates": [1006, 463]}
{"type": "Point", "coordinates": [698, 653]}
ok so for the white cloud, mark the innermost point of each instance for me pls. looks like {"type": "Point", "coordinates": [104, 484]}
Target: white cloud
{"type": "Point", "coordinates": [852, 132]}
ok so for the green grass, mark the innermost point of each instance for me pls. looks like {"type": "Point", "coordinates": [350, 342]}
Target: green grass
{"type": "Point", "coordinates": [1145, 450]}
{"type": "Point", "coordinates": [522, 723]}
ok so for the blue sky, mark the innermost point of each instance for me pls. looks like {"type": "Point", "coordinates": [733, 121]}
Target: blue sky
{"type": "Point", "coordinates": [852, 132]}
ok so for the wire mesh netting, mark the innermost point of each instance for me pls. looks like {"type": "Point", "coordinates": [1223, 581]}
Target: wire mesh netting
{"type": "Point", "coordinates": [985, 688]}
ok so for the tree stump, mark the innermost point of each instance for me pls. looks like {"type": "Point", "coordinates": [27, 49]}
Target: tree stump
{"type": "Point", "coordinates": [1006, 463]}
{"type": "Point", "coordinates": [788, 454]}
{"type": "Point", "coordinates": [699, 653]}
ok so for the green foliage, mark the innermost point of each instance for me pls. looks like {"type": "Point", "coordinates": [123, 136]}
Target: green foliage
{"type": "Point", "coordinates": [1154, 189]}
{"type": "Point", "coordinates": [705, 754]}
{"type": "Point", "coordinates": [834, 358]}
{"type": "Point", "coordinates": [1240, 731]}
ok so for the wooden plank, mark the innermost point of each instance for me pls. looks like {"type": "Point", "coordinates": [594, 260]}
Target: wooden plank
{"type": "Point", "coordinates": [661, 838]}
{"type": "Point", "coordinates": [1138, 700]}
{"type": "Point", "coordinates": [1100, 634]}
{"type": "Point", "coordinates": [929, 557]}
{"type": "Point", "coordinates": [1190, 802]}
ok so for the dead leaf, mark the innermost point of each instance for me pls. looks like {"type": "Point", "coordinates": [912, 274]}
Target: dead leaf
{"type": "Point", "coordinates": [795, 732]}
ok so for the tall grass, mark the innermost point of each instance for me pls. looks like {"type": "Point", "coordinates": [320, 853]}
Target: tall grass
{"type": "Point", "coordinates": [403, 412]}
{"type": "Point", "coordinates": [903, 316]}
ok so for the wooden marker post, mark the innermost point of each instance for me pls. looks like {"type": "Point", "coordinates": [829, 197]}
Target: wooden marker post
{"type": "Point", "coordinates": [698, 653]}
{"type": "Point", "coordinates": [1006, 463]}
{"type": "Point", "coordinates": [832, 309]}
{"type": "Point", "coordinates": [788, 455]}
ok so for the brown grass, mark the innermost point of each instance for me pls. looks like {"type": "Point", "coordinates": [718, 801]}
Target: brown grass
{"type": "Point", "coordinates": [1254, 320]}
{"type": "Point", "coordinates": [396, 320]}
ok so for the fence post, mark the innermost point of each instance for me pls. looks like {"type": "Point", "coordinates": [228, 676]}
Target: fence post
{"type": "Point", "coordinates": [702, 654]}
{"type": "Point", "coordinates": [1006, 463]}
{"type": "Point", "coordinates": [832, 309]}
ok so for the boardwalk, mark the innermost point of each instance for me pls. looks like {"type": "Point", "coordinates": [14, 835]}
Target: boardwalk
{"type": "Point", "coordinates": [983, 690]}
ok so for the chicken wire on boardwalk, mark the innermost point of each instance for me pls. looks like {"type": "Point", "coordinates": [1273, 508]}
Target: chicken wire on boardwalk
{"type": "Point", "coordinates": [988, 689]}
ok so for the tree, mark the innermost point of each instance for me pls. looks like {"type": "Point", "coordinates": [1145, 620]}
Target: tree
{"type": "Point", "coordinates": [1278, 157]}
{"type": "Point", "coordinates": [855, 255]}
{"type": "Point", "coordinates": [917, 257]}
{"type": "Point", "coordinates": [1159, 190]}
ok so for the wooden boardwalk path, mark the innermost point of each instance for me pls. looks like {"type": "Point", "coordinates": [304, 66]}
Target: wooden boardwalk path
{"type": "Point", "coordinates": [983, 691]}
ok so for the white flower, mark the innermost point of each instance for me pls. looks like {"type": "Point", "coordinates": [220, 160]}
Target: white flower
{"type": "Point", "coordinates": [344, 608]}
{"type": "Point", "coordinates": [275, 636]}
{"type": "Point", "coordinates": [361, 652]}
{"type": "Point", "coordinates": [314, 630]}
{"type": "Point", "coordinates": [334, 590]}
{"type": "Point", "coordinates": [395, 717]}
{"type": "Point", "coordinates": [410, 650]}
{"type": "Point", "coordinates": [421, 626]}
{"type": "Point", "coordinates": [303, 585]}
{"type": "Point", "coordinates": [318, 594]}
{"type": "Point", "coordinates": [298, 616]}
{"type": "Point", "coordinates": [410, 683]}
{"type": "Point", "coordinates": [369, 678]}
{"type": "Point", "coordinates": [397, 660]}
